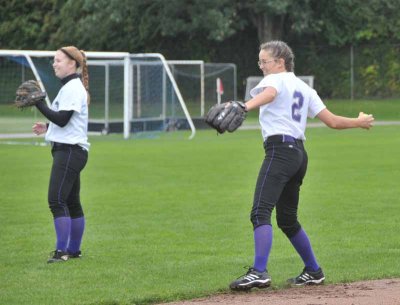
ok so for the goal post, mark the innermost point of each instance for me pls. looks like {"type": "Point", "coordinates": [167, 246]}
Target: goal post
{"type": "Point", "coordinates": [114, 79]}
{"type": "Point", "coordinates": [166, 79]}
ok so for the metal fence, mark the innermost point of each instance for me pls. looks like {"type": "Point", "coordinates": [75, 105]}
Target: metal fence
{"type": "Point", "coordinates": [351, 72]}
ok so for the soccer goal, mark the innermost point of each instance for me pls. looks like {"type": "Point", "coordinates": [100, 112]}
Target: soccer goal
{"type": "Point", "coordinates": [130, 93]}
{"type": "Point", "coordinates": [253, 81]}
{"type": "Point", "coordinates": [204, 84]}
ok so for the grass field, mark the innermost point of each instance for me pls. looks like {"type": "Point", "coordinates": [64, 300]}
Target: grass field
{"type": "Point", "coordinates": [15, 121]}
{"type": "Point", "coordinates": [168, 218]}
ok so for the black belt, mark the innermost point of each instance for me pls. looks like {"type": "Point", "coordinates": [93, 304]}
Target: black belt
{"type": "Point", "coordinates": [281, 138]}
{"type": "Point", "coordinates": [64, 145]}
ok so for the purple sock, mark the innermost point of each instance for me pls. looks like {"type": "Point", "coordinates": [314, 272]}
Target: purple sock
{"type": "Point", "coordinates": [63, 227]}
{"type": "Point", "coordinates": [303, 246]}
{"type": "Point", "coordinates": [262, 245]}
{"type": "Point", "coordinates": [77, 229]}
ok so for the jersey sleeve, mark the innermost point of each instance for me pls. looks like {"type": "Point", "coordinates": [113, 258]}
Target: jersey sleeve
{"type": "Point", "coordinates": [71, 100]}
{"type": "Point", "coordinates": [316, 104]}
{"type": "Point", "coordinates": [270, 80]}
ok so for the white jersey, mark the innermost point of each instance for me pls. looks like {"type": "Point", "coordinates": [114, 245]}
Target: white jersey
{"type": "Point", "coordinates": [72, 96]}
{"type": "Point", "coordinates": [287, 113]}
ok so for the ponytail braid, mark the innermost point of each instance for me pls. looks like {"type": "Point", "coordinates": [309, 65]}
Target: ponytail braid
{"type": "Point", "coordinates": [85, 75]}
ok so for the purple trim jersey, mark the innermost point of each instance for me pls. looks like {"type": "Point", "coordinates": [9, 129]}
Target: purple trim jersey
{"type": "Point", "coordinates": [287, 113]}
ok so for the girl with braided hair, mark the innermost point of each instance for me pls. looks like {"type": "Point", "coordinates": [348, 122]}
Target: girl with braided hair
{"type": "Point", "coordinates": [67, 133]}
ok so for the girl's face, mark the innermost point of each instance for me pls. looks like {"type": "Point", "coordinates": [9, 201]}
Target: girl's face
{"type": "Point", "coordinates": [63, 65]}
{"type": "Point", "coordinates": [270, 65]}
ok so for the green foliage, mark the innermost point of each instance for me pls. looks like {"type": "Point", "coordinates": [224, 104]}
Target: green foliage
{"type": "Point", "coordinates": [377, 71]}
{"type": "Point", "coordinates": [329, 65]}
{"type": "Point", "coordinates": [370, 74]}
{"type": "Point", "coordinates": [320, 33]}
{"type": "Point", "coordinates": [217, 19]}
{"type": "Point", "coordinates": [82, 21]}
{"type": "Point", "coordinates": [161, 226]}
{"type": "Point", "coordinates": [131, 24]}
{"type": "Point", "coordinates": [343, 22]}
{"type": "Point", "coordinates": [22, 22]}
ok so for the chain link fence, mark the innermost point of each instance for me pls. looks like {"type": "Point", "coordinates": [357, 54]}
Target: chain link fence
{"type": "Point", "coordinates": [351, 72]}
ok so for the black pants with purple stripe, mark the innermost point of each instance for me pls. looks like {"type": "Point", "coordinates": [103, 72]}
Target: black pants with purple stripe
{"type": "Point", "coordinates": [64, 186]}
{"type": "Point", "coordinates": [278, 184]}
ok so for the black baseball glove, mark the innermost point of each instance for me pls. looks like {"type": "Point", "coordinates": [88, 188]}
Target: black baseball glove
{"type": "Point", "coordinates": [29, 94]}
{"type": "Point", "coordinates": [227, 116]}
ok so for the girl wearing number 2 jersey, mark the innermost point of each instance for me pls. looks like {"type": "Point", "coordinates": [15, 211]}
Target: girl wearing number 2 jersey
{"type": "Point", "coordinates": [284, 103]}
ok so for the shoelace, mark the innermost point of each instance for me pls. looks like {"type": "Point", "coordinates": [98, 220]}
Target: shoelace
{"type": "Point", "coordinates": [249, 269]}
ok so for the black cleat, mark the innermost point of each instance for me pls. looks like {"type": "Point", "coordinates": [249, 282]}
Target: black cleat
{"type": "Point", "coordinates": [251, 279]}
{"type": "Point", "coordinates": [308, 278]}
{"type": "Point", "coordinates": [58, 256]}
{"type": "Point", "coordinates": [75, 254]}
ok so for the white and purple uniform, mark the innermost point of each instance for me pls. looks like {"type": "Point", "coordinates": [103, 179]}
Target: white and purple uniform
{"type": "Point", "coordinates": [283, 122]}
{"type": "Point", "coordinates": [287, 114]}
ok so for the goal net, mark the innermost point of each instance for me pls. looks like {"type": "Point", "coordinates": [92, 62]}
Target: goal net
{"type": "Point", "coordinates": [130, 93]}
{"type": "Point", "coordinates": [197, 82]}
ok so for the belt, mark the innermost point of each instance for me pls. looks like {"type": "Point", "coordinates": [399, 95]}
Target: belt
{"type": "Point", "coordinates": [64, 145]}
{"type": "Point", "coordinates": [281, 138]}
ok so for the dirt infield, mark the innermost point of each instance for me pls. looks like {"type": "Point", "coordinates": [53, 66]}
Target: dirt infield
{"type": "Point", "coordinates": [377, 292]}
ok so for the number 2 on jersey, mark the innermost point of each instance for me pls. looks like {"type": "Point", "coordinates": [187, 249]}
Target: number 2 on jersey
{"type": "Point", "coordinates": [296, 106]}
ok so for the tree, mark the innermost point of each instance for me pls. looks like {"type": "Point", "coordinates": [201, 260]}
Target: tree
{"type": "Point", "coordinates": [274, 19]}
{"type": "Point", "coordinates": [94, 25]}
{"type": "Point", "coordinates": [22, 23]}
{"type": "Point", "coordinates": [343, 22]}
{"type": "Point", "coordinates": [136, 24]}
